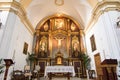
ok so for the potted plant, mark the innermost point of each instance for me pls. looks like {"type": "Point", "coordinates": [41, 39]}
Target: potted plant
{"type": "Point", "coordinates": [86, 61]}
{"type": "Point", "coordinates": [30, 59]}
{"type": "Point", "coordinates": [1, 66]}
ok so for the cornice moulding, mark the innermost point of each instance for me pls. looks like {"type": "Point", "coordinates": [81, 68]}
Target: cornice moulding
{"type": "Point", "coordinates": [16, 8]}
{"type": "Point", "coordinates": [100, 8]}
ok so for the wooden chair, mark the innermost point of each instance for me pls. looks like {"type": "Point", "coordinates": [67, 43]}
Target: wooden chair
{"type": "Point", "coordinates": [27, 72]}
{"type": "Point", "coordinates": [18, 75]}
{"type": "Point", "coordinates": [91, 74]}
{"type": "Point", "coordinates": [35, 73]}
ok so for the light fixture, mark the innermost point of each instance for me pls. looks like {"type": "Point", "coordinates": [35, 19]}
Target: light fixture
{"type": "Point", "coordinates": [59, 2]}
{"type": "Point", "coordinates": [118, 22]}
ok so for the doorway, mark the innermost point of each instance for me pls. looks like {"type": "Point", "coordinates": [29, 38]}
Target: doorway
{"type": "Point", "coordinates": [98, 66]}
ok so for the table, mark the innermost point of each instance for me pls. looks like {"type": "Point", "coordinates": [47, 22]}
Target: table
{"type": "Point", "coordinates": [59, 69]}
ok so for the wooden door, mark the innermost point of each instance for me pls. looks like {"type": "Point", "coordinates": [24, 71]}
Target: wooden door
{"type": "Point", "coordinates": [98, 66]}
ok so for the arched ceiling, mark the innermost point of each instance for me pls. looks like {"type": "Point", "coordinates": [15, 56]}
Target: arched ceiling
{"type": "Point", "coordinates": [80, 10]}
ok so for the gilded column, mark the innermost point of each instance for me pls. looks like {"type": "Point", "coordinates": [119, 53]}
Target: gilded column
{"type": "Point", "coordinates": [37, 42]}
{"type": "Point", "coordinates": [68, 43]}
{"type": "Point", "coordinates": [68, 24]}
{"type": "Point", "coordinates": [50, 43]}
{"type": "Point", "coordinates": [50, 37]}
{"type": "Point", "coordinates": [68, 36]}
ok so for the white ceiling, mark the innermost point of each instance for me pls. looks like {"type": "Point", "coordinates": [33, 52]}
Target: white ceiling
{"type": "Point", "coordinates": [80, 10]}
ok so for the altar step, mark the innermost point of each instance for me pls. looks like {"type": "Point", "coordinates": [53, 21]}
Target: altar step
{"type": "Point", "coordinates": [58, 78]}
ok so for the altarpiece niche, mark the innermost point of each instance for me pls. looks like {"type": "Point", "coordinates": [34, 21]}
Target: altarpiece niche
{"type": "Point", "coordinates": [43, 47]}
{"type": "Point", "coordinates": [75, 47]}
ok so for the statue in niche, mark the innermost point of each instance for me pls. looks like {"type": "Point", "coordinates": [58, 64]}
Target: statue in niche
{"type": "Point", "coordinates": [43, 47]}
{"type": "Point", "coordinates": [73, 27]}
{"type": "Point", "coordinates": [46, 26]}
{"type": "Point", "coordinates": [75, 47]}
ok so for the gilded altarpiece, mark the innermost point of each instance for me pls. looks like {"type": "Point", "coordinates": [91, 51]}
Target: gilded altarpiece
{"type": "Point", "coordinates": [59, 35]}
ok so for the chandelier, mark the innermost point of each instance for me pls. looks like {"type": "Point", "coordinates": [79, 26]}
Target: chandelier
{"type": "Point", "coordinates": [59, 2]}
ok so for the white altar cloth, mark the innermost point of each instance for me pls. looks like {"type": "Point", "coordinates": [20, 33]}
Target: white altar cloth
{"type": "Point", "coordinates": [59, 69]}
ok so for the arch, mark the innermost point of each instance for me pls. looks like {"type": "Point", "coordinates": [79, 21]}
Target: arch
{"type": "Point", "coordinates": [58, 15]}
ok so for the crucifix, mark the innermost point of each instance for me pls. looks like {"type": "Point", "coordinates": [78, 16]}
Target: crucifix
{"type": "Point", "coordinates": [59, 39]}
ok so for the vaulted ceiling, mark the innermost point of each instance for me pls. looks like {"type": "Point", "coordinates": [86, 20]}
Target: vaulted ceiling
{"type": "Point", "coordinates": [79, 10]}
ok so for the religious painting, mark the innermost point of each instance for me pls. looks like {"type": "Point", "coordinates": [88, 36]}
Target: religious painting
{"type": "Point", "coordinates": [25, 48]}
{"type": "Point", "coordinates": [75, 46]}
{"type": "Point", "coordinates": [93, 45]}
{"type": "Point", "coordinates": [59, 24]}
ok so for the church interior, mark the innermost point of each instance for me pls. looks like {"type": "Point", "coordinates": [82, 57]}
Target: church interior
{"type": "Point", "coordinates": [59, 39]}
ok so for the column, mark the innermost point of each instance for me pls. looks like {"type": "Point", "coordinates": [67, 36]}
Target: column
{"type": "Point", "coordinates": [82, 41]}
{"type": "Point", "coordinates": [37, 41]}
{"type": "Point", "coordinates": [50, 44]}
{"type": "Point", "coordinates": [68, 43]}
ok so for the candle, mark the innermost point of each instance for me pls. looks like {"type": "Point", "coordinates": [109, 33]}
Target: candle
{"type": "Point", "coordinates": [13, 55]}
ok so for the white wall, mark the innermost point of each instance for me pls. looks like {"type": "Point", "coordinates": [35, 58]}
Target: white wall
{"type": "Point", "coordinates": [14, 36]}
{"type": "Point", "coordinates": [3, 19]}
{"type": "Point", "coordinates": [107, 37]}
{"type": "Point", "coordinates": [7, 35]}
{"type": "Point", "coordinates": [6, 0]}
{"type": "Point", "coordinates": [20, 36]}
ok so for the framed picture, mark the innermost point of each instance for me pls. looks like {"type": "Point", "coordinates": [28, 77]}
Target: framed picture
{"type": "Point", "coordinates": [25, 48]}
{"type": "Point", "coordinates": [93, 45]}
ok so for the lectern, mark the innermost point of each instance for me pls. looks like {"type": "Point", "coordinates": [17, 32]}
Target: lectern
{"type": "Point", "coordinates": [109, 69]}
{"type": "Point", "coordinates": [8, 63]}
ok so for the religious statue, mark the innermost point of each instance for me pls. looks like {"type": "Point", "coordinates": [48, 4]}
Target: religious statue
{"type": "Point", "coordinates": [43, 47]}
{"type": "Point", "coordinates": [75, 45]}
{"type": "Point", "coordinates": [59, 39]}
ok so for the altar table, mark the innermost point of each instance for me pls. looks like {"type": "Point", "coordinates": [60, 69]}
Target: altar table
{"type": "Point", "coordinates": [59, 69]}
